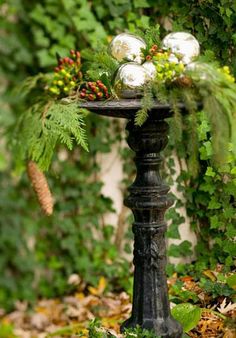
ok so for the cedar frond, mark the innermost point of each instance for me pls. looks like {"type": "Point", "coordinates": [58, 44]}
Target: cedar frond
{"type": "Point", "coordinates": [147, 103]}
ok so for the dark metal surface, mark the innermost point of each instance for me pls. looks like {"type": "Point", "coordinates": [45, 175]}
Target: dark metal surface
{"type": "Point", "coordinates": [126, 108]}
{"type": "Point", "coordinates": [148, 200]}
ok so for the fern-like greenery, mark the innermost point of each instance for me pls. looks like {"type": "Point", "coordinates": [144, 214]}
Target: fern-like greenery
{"type": "Point", "coordinates": [100, 65]}
{"type": "Point", "coordinates": [44, 126]}
{"type": "Point", "coordinates": [151, 35]}
{"type": "Point", "coordinates": [209, 88]}
{"type": "Point", "coordinates": [147, 103]}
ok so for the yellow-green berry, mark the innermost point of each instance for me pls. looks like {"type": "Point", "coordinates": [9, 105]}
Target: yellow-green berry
{"type": "Point", "coordinates": [181, 66]}
{"type": "Point", "coordinates": [159, 68]}
{"type": "Point", "coordinates": [167, 66]}
{"type": "Point", "coordinates": [226, 69]}
{"type": "Point", "coordinates": [53, 90]}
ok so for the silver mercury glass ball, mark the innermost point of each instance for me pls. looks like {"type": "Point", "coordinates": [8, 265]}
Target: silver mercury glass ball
{"type": "Point", "coordinates": [183, 44]}
{"type": "Point", "coordinates": [201, 68]}
{"type": "Point", "coordinates": [150, 68]}
{"type": "Point", "coordinates": [130, 79]}
{"type": "Point", "coordinates": [172, 58]}
{"type": "Point", "coordinates": [127, 47]}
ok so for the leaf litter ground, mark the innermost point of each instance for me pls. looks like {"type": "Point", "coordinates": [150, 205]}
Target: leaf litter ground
{"type": "Point", "coordinates": [70, 316]}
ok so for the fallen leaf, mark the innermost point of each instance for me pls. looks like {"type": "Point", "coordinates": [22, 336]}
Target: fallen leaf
{"type": "Point", "coordinates": [224, 308]}
{"type": "Point", "coordinates": [74, 279]}
{"type": "Point", "coordinates": [210, 274]}
{"type": "Point", "coordinates": [100, 288]}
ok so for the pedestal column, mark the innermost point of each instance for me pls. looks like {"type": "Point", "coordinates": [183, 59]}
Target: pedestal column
{"type": "Point", "coordinates": [148, 200]}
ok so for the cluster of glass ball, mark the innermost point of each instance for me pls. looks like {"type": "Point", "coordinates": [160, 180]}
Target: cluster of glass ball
{"type": "Point", "coordinates": [164, 63]}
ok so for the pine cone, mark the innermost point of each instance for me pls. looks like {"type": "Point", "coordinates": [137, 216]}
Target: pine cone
{"type": "Point", "coordinates": [41, 188]}
{"type": "Point", "coordinates": [184, 81]}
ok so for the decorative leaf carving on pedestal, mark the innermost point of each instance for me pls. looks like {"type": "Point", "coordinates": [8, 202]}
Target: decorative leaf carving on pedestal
{"type": "Point", "coordinates": [148, 200]}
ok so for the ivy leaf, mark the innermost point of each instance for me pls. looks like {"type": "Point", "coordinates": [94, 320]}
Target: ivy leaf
{"type": "Point", "coordinates": [203, 129]}
{"type": "Point", "coordinates": [215, 222]}
{"type": "Point", "coordinates": [182, 249]}
{"type": "Point", "coordinates": [233, 171]}
{"type": "Point", "coordinates": [206, 150]}
{"type": "Point", "coordinates": [214, 204]}
{"type": "Point", "coordinates": [141, 4]}
{"type": "Point", "coordinates": [210, 172]}
{"type": "Point", "coordinates": [228, 12]}
{"type": "Point", "coordinates": [231, 281]}
{"type": "Point", "coordinates": [187, 314]}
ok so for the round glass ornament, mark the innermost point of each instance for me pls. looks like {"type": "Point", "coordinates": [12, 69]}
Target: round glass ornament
{"type": "Point", "coordinates": [185, 45]}
{"type": "Point", "coordinates": [202, 69]}
{"type": "Point", "coordinates": [173, 58]}
{"type": "Point", "coordinates": [130, 80]}
{"type": "Point", "coordinates": [150, 68]}
{"type": "Point", "coordinates": [127, 47]}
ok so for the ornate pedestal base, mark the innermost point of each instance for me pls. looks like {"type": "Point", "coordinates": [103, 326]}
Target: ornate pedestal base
{"type": "Point", "coordinates": [148, 200]}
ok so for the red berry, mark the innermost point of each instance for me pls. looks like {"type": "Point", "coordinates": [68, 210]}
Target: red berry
{"type": "Point", "coordinates": [56, 69]}
{"type": "Point", "coordinates": [100, 95]}
{"type": "Point", "coordinates": [91, 97]}
{"type": "Point", "coordinates": [82, 95]}
{"type": "Point", "coordinates": [148, 57]}
{"type": "Point", "coordinates": [78, 54]}
{"type": "Point", "coordinates": [154, 47]}
{"type": "Point", "coordinates": [101, 85]}
{"type": "Point", "coordinates": [72, 52]}
{"type": "Point", "coordinates": [60, 61]}
{"type": "Point", "coordinates": [95, 89]}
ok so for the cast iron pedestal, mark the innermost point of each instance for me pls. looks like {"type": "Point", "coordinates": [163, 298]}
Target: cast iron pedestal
{"type": "Point", "coordinates": [148, 200]}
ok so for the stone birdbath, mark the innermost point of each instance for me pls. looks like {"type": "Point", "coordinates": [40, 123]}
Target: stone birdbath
{"type": "Point", "coordinates": [148, 199]}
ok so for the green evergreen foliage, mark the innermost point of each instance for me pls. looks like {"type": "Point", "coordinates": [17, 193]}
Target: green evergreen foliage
{"type": "Point", "coordinates": [44, 126]}
{"type": "Point", "coordinates": [147, 102]}
{"type": "Point", "coordinates": [210, 87]}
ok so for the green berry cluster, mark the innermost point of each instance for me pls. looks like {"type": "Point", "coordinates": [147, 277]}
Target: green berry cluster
{"type": "Point", "coordinates": [92, 91]}
{"type": "Point", "coordinates": [167, 70]}
{"type": "Point", "coordinates": [168, 66]}
{"type": "Point", "coordinates": [67, 75]}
